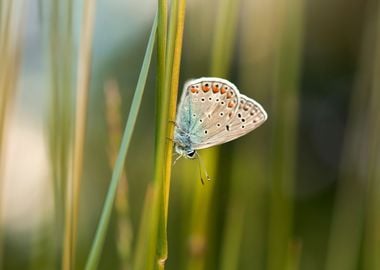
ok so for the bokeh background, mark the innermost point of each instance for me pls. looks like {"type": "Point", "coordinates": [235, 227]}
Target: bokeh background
{"type": "Point", "coordinates": [300, 192]}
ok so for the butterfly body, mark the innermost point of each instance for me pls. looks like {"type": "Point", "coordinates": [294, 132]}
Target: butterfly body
{"type": "Point", "coordinates": [211, 112]}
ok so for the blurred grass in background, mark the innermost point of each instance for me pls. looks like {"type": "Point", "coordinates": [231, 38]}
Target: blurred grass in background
{"type": "Point", "coordinates": [301, 192]}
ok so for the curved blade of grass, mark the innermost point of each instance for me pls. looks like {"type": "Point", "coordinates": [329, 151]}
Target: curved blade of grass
{"type": "Point", "coordinates": [100, 236]}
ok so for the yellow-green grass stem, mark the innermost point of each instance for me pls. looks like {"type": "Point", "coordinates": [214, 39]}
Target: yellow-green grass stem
{"type": "Point", "coordinates": [97, 245]}
{"type": "Point", "coordinates": [284, 140]}
{"type": "Point", "coordinates": [167, 101]}
{"type": "Point", "coordinates": [10, 53]}
{"type": "Point", "coordinates": [346, 244]}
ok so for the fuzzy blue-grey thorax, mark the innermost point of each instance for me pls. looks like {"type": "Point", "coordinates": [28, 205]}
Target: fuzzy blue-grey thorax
{"type": "Point", "coordinates": [183, 143]}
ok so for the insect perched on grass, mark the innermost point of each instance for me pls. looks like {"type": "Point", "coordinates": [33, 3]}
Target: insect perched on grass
{"type": "Point", "coordinates": [211, 112]}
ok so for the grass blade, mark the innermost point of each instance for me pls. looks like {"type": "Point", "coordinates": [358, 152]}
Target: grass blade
{"type": "Point", "coordinates": [284, 140]}
{"type": "Point", "coordinates": [167, 100]}
{"type": "Point", "coordinates": [358, 169]}
{"type": "Point", "coordinates": [145, 230]}
{"type": "Point", "coordinates": [94, 257]}
{"type": "Point", "coordinates": [10, 53]}
{"type": "Point", "coordinates": [124, 227]}
{"type": "Point", "coordinates": [73, 187]}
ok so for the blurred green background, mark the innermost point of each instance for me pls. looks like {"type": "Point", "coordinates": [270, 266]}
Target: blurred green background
{"type": "Point", "coordinates": [300, 192]}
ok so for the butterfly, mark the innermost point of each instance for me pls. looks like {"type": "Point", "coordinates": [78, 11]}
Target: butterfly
{"type": "Point", "coordinates": [211, 112]}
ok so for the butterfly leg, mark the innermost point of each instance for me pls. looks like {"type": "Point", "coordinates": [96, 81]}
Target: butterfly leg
{"type": "Point", "coordinates": [177, 158]}
{"type": "Point", "coordinates": [201, 165]}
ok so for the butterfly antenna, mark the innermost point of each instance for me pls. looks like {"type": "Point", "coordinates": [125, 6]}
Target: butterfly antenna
{"type": "Point", "coordinates": [201, 165]}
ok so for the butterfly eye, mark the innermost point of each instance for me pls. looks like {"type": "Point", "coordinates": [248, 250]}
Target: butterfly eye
{"type": "Point", "coordinates": [190, 154]}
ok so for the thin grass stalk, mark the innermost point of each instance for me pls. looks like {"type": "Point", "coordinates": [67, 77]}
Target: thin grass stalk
{"type": "Point", "coordinates": [54, 108]}
{"type": "Point", "coordinates": [346, 231]}
{"type": "Point", "coordinates": [198, 229]}
{"type": "Point", "coordinates": [83, 80]}
{"type": "Point", "coordinates": [60, 129]}
{"type": "Point", "coordinates": [222, 53]}
{"type": "Point", "coordinates": [221, 57]}
{"type": "Point", "coordinates": [294, 255]}
{"type": "Point", "coordinates": [252, 154]}
{"type": "Point", "coordinates": [160, 140]}
{"type": "Point", "coordinates": [97, 245]}
{"type": "Point", "coordinates": [285, 110]}
{"type": "Point", "coordinates": [124, 227]}
{"type": "Point", "coordinates": [200, 220]}
{"type": "Point", "coordinates": [224, 37]}
{"type": "Point", "coordinates": [173, 60]}
{"type": "Point", "coordinates": [146, 229]}
{"type": "Point", "coordinates": [10, 53]}
{"type": "Point", "coordinates": [372, 238]}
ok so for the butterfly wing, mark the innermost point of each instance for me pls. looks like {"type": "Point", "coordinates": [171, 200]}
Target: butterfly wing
{"type": "Point", "coordinates": [249, 116]}
{"type": "Point", "coordinates": [212, 112]}
{"type": "Point", "coordinates": [205, 104]}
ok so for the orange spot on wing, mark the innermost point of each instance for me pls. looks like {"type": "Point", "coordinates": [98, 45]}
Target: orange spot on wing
{"type": "Point", "coordinates": [192, 89]}
{"type": "Point", "coordinates": [215, 88]}
{"type": "Point", "coordinates": [229, 94]}
{"type": "Point", "coordinates": [224, 90]}
{"type": "Point", "coordinates": [231, 104]}
{"type": "Point", "coordinates": [206, 87]}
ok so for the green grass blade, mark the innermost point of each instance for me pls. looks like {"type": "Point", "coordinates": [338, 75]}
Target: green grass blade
{"type": "Point", "coordinates": [167, 101]}
{"type": "Point", "coordinates": [123, 220]}
{"type": "Point", "coordinates": [11, 31]}
{"type": "Point", "coordinates": [359, 174]}
{"type": "Point", "coordinates": [100, 236]}
{"type": "Point", "coordinates": [73, 187]}
{"type": "Point", "coordinates": [284, 139]}
{"type": "Point", "coordinates": [146, 228]}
